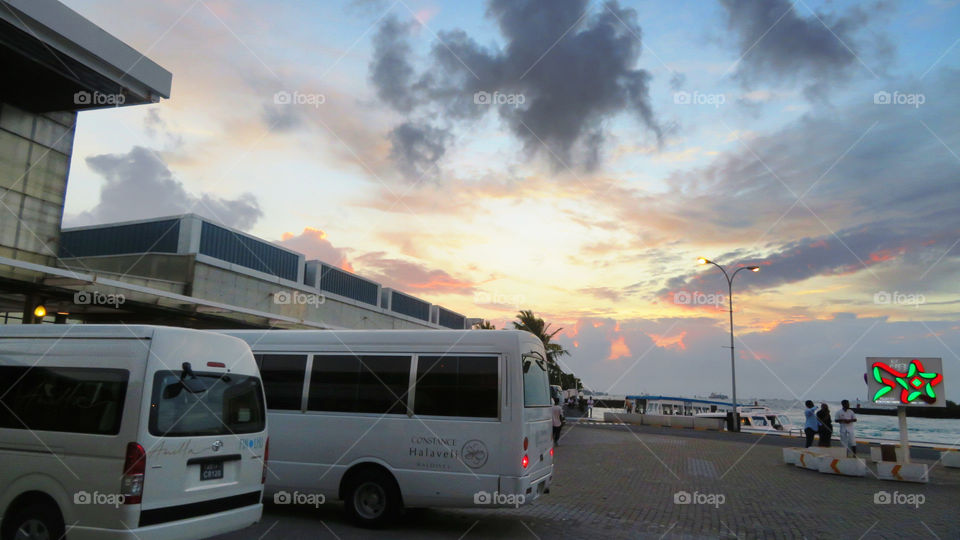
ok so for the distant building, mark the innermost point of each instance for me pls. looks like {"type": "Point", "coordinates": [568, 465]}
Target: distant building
{"type": "Point", "coordinates": [230, 274]}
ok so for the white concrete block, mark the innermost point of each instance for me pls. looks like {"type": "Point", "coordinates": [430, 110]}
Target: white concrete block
{"type": "Point", "coordinates": [843, 466]}
{"type": "Point", "coordinates": [904, 472]}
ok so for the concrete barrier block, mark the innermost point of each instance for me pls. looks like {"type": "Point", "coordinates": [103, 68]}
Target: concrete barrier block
{"type": "Point", "coordinates": [843, 466]}
{"type": "Point", "coordinates": [791, 455]}
{"type": "Point", "coordinates": [904, 472]}
{"type": "Point", "coordinates": [809, 460]}
{"type": "Point", "coordinates": [950, 458]}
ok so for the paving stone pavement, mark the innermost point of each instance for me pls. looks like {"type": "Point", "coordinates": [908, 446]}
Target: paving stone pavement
{"type": "Point", "coordinates": [614, 482]}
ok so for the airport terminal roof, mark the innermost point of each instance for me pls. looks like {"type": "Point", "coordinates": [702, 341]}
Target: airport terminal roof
{"type": "Point", "coordinates": [56, 60]}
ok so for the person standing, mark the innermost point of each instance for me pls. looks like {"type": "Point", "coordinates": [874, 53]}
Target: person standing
{"type": "Point", "coordinates": [810, 424]}
{"type": "Point", "coordinates": [557, 422]}
{"type": "Point", "coordinates": [846, 419]}
{"type": "Point", "coordinates": [826, 425]}
{"type": "Point", "coordinates": [590, 407]}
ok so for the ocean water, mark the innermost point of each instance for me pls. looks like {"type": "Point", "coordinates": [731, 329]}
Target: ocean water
{"type": "Point", "coordinates": [944, 431]}
{"type": "Point", "coordinates": [927, 430]}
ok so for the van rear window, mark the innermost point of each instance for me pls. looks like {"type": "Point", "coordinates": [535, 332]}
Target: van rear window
{"type": "Point", "coordinates": [536, 384]}
{"type": "Point", "coordinates": [209, 404]}
{"type": "Point", "coordinates": [76, 400]}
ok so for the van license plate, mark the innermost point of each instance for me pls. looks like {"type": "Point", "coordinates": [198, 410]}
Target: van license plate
{"type": "Point", "coordinates": [211, 471]}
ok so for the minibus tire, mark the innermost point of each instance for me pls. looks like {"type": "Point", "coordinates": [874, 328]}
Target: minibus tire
{"type": "Point", "coordinates": [43, 513]}
{"type": "Point", "coordinates": [368, 490]}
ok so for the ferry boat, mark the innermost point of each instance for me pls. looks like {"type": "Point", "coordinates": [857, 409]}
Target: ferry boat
{"type": "Point", "coordinates": [754, 418]}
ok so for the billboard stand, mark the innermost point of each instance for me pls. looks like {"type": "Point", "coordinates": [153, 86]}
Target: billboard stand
{"type": "Point", "coordinates": [904, 440]}
{"type": "Point", "coordinates": [905, 382]}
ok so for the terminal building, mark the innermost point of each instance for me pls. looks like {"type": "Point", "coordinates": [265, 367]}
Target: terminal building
{"type": "Point", "coordinates": [181, 270]}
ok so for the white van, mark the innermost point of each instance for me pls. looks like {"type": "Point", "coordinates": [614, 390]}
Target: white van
{"type": "Point", "coordinates": [392, 419]}
{"type": "Point", "coordinates": [134, 432]}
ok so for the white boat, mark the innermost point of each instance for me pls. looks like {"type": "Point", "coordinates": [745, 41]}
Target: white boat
{"type": "Point", "coordinates": [759, 418]}
{"type": "Point", "coordinates": [753, 418]}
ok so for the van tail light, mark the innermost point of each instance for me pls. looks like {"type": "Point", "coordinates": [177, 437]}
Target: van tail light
{"type": "Point", "coordinates": [525, 461]}
{"type": "Point", "coordinates": [134, 467]}
{"type": "Point", "coordinates": [266, 455]}
{"type": "Point", "coordinates": [551, 451]}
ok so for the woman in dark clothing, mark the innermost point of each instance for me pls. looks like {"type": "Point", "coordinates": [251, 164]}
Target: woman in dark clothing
{"type": "Point", "coordinates": [826, 425]}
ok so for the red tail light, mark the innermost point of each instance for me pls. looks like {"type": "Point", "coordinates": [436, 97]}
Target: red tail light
{"type": "Point", "coordinates": [551, 451]}
{"type": "Point", "coordinates": [134, 467]}
{"type": "Point", "coordinates": [525, 461]}
{"type": "Point", "coordinates": [266, 455]}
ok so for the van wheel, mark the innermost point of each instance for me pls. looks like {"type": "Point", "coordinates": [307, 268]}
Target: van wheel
{"type": "Point", "coordinates": [34, 522]}
{"type": "Point", "coordinates": [372, 498]}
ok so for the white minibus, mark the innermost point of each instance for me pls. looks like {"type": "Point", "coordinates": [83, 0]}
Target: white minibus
{"type": "Point", "coordinates": [392, 419]}
{"type": "Point", "coordinates": [133, 432]}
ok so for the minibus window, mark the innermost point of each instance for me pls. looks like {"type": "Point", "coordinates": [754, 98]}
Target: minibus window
{"type": "Point", "coordinates": [76, 400]}
{"type": "Point", "coordinates": [231, 404]}
{"type": "Point", "coordinates": [465, 386]}
{"type": "Point", "coordinates": [365, 384]}
{"type": "Point", "coordinates": [536, 385]}
{"type": "Point", "coordinates": [282, 376]}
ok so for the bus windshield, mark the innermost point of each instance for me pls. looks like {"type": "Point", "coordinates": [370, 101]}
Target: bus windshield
{"type": "Point", "coordinates": [536, 384]}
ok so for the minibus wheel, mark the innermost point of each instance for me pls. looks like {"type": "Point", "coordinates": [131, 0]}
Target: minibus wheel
{"type": "Point", "coordinates": [372, 498]}
{"type": "Point", "coordinates": [37, 521]}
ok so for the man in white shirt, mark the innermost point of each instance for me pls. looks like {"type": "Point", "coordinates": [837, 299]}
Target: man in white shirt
{"type": "Point", "coordinates": [590, 407]}
{"type": "Point", "coordinates": [846, 418]}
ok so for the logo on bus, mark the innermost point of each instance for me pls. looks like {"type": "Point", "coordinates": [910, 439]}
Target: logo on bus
{"type": "Point", "coordinates": [474, 454]}
{"type": "Point", "coordinates": [217, 445]}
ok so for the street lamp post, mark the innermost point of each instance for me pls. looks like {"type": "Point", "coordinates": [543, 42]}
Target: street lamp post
{"type": "Point", "coordinates": [729, 278]}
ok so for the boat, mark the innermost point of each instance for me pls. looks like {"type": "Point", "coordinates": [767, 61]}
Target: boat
{"type": "Point", "coordinates": [753, 418]}
{"type": "Point", "coordinates": [760, 418]}
{"type": "Point", "coordinates": [679, 406]}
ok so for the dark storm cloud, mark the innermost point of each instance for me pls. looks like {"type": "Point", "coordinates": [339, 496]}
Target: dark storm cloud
{"type": "Point", "coordinates": [417, 147]}
{"type": "Point", "coordinates": [139, 185]}
{"type": "Point", "coordinates": [778, 43]}
{"type": "Point", "coordinates": [561, 74]}
{"type": "Point", "coordinates": [390, 71]}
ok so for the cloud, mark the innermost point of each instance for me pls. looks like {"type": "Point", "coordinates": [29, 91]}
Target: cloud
{"type": "Point", "coordinates": [778, 45]}
{"type": "Point", "coordinates": [139, 185]}
{"type": "Point", "coordinates": [409, 276]}
{"type": "Point", "coordinates": [314, 244]}
{"type": "Point", "coordinates": [562, 73]}
{"type": "Point", "coordinates": [390, 71]}
{"type": "Point", "coordinates": [417, 148]}
{"type": "Point", "coordinates": [619, 349]}
{"type": "Point", "coordinates": [158, 128]}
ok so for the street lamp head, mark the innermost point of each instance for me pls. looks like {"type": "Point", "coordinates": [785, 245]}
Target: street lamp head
{"type": "Point", "coordinates": [701, 260]}
{"type": "Point", "coordinates": [753, 268]}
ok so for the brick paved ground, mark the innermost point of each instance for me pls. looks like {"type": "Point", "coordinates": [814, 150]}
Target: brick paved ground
{"type": "Point", "coordinates": [611, 482]}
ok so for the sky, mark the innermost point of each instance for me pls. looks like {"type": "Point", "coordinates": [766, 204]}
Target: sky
{"type": "Point", "coordinates": [575, 158]}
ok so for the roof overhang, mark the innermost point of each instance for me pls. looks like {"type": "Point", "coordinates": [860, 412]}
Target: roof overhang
{"type": "Point", "coordinates": [52, 56]}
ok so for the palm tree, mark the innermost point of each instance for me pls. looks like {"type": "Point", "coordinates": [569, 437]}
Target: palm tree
{"type": "Point", "coordinates": [484, 325]}
{"type": "Point", "coordinates": [527, 320]}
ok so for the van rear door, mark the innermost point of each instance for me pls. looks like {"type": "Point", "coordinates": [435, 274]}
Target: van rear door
{"type": "Point", "coordinates": [205, 433]}
{"type": "Point", "coordinates": [537, 420]}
